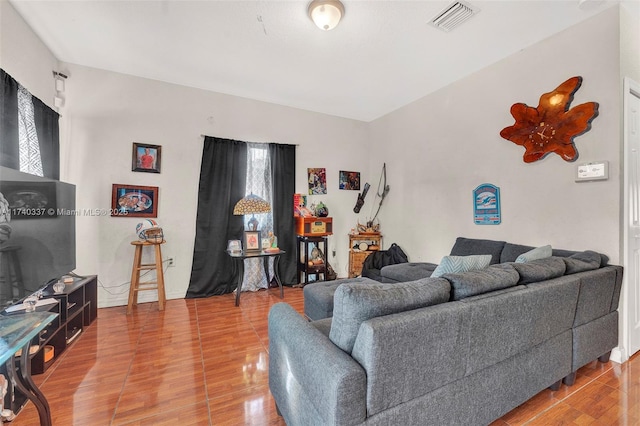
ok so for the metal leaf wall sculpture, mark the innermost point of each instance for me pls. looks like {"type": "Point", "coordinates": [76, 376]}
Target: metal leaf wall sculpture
{"type": "Point", "coordinates": [552, 126]}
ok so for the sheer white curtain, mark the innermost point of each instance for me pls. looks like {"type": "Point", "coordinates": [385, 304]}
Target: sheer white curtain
{"type": "Point", "coordinates": [30, 158]}
{"type": "Point", "coordinates": [258, 183]}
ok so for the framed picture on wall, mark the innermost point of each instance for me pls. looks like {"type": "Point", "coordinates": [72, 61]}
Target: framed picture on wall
{"type": "Point", "coordinates": [146, 158]}
{"type": "Point", "coordinates": [317, 180]}
{"type": "Point", "coordinates": [349, 180]}
{"type": "Point", "coordinates": [134, 201]}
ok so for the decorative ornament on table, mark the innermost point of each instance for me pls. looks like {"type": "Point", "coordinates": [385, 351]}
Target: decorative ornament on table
{"type": "Point", "coordinates": [149, 230]}
{"type": "Point", "coordinates": [321, 210]}
{"type": "Point", "coordinates": [552, 126]}
{"type": "Point", "coordinates": [371, 227]}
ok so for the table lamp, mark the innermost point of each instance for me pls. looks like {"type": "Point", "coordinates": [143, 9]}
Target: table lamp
{"type": "Point", "coordinates": [252, 204]}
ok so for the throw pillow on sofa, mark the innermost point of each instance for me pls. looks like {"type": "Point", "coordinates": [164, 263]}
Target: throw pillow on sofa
{"type": "Point", "coordinates": [540, 270]}
{"type": "Point", "coordinates": [535, 254]}
{"type": "Point", "coordinates": [472, 283]}
{"type": "Point", "coordinates": [458, 264]}
{"type": "Point", "coordinates": [583, 261]}
{"type": "Point", "coordinates": [470, 246]}
{"type": "Point", "coordinates": [355, 303]}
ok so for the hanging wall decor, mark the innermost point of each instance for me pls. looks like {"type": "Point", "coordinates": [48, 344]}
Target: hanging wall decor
{"type": "Point", "coordinates": [134, 201]}
{"type": "Point", "coordinates": [349, 180]}
{"type": "Point", "coordinates": [317, 180]}
{"type": "Point", "coordinates": [552, 126]}
{"type": "Point", "coordinates": [146, 158]}
{"type": "Point", "coordinates": [486, 205]}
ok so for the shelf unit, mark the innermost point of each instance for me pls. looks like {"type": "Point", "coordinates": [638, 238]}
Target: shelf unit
{"type": "Point", "coordinates": [77, 307]}
{"type": "Point", "coordinates": [358, 255]}
{"type": "Point", "coordinates": [304, 268]}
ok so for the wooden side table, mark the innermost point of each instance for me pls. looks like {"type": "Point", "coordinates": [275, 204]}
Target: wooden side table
{"type": "Point", "coordinates": [138, 266]}
{"type": "Point", "coordinates": [360, 247]}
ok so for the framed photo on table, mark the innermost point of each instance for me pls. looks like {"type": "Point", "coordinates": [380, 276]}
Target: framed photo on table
{"type": "Point", "coordinates": [146, 158]}
{"type": "Point", "coordinates": [252, 241]}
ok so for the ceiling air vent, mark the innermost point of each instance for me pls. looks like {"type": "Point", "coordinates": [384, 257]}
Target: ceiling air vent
{"type": "Point", "coordinates": [454, 15]}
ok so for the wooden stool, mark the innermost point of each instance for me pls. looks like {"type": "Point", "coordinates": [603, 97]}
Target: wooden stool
{"type": "Point", "coordinates": [138, 266]}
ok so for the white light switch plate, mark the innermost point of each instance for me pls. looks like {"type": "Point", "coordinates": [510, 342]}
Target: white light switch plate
{"type": "Point", "coordinates": [596, 170]}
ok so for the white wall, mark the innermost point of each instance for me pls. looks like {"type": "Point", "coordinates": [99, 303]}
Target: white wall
{"type": "Point", "coordinates": [453, 144]}
{"type": "Point", "coordinates": [24, 56]}
{"type": "Point", "coordinates": [107, 112]}
{"type": "Point", "coordinates": [437, 150]}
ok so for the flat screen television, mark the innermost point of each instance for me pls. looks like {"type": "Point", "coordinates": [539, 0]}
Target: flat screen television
{"type": "Point", "coordinates": [37, 233]}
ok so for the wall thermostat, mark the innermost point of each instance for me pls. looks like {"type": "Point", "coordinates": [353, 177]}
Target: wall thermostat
{"type": "Point", "coordinates": [597, 170]}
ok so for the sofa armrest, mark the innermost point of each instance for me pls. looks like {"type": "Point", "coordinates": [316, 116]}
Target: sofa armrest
{"type": "Point", "coordinates": [312, 380]}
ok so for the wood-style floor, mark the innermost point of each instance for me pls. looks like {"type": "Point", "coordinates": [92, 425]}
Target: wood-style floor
{"type": "Point", "coordinates": [205, 362]}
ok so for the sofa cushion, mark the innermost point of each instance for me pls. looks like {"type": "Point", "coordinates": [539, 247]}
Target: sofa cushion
{"type": "Point", "coordinates": [323, 325]}
{"type": "Point", "coordinates": [318, 297]}
{"type": "Point", "coordinates": [407, 271]}
{"type": "Point", "coordinates": [604, 259]}
{"type": "Point", "coordinates": [535, 254]}
{"type": "Point", "coordinates": [458, 264]}
{"type": "Point", "coordinates": [510, 252]}
{"type": "Point", "coordinates": [468, 246]}
{"type": "Point", "coordinates": [481, 281]}
{"type": "Point", "coordinates": [540, 270]}
{"type": "Point", "coordinates": [355, 303]}
{"type": "Point", "coordinates": [583, 261]}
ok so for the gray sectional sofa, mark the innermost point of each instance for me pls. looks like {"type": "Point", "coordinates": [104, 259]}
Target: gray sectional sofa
{"type": "Point", "coordinates": [463, 348]}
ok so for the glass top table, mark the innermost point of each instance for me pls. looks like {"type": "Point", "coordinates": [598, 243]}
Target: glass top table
{"type": "Point", "coordinates": [239, 258]}
{"type": "Point", "coordinates": [16, 332]}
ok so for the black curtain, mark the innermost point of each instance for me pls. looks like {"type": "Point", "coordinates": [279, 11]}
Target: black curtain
{"type": "Point", "coordinates": [222, 184]}
{"type": "Point", "coordinates": [47, 129]}
{"type": "Point", "coordinates": [283, 171]}
{"type": "Point", "coordinates": [48, 138]}
{"type": "Point", "coordinates": [9, 148]}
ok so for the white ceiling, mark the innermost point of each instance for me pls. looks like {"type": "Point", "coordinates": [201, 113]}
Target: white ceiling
{"type": "Point", "coordinates": [382, 56]}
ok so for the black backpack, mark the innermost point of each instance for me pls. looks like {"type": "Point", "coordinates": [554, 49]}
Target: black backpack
{"type": "Point", "coordinates": [379, 259]}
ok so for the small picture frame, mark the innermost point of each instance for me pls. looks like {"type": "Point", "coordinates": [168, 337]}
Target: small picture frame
{"type": "Point", "coordinates": [252, 241]}
{"type": "Point", "coordinates": [349, 181]}
{"type": "Point", "coordinates": [134, 201]}
{"type": "Point", "coordinates": [234, 246]}
{"type": "Point", "coordinates": [146, 158]}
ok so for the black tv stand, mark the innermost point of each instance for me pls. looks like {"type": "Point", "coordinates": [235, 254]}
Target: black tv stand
{"type": "Point", "coordinates": [77, 308]}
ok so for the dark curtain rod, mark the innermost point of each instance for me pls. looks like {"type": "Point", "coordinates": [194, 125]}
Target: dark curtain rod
{"type": "Point", "coordinates": [294, 144]}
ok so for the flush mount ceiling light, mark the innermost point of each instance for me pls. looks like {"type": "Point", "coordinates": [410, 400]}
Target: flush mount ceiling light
{"type": "Point", "coordinates": [326, 14]}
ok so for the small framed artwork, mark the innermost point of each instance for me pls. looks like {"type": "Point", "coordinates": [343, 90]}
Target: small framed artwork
{"type": "Point", "coordinates": [349, 180]}
{"type": "Point", "coordinates": [317, 180]}
{"type": "Point", "coordinates": [146, 158]}
{"type": "Point", "coordinates": [486, 205]}
{"type": "Point", "coordinates": [134, 201]}
{"type": "Point", "coordinates": [252, 241]}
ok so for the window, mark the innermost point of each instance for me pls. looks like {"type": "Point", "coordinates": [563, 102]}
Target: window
{"type": "Point", "coordinates": [30, 158]}
{"type": "Point", "coordinates": [259, 183]}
